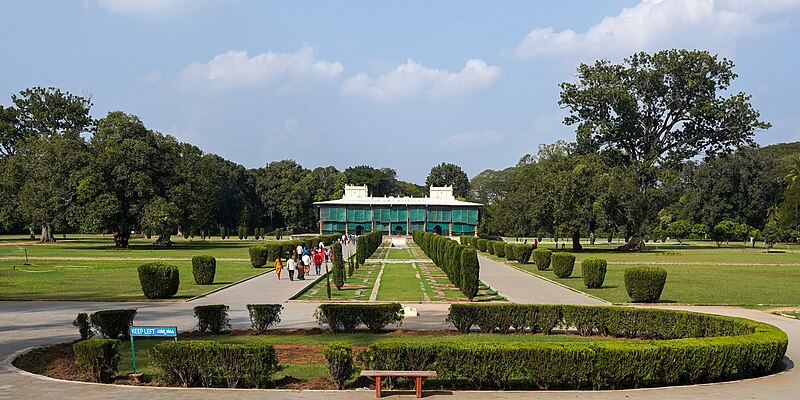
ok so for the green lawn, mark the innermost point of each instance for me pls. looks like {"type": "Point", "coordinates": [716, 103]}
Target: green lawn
{"type": "Point", "coordinates": [101, 280]}
{"type": "Point", "coordinates": [99, 246]}
{"type": "Point", "coordinates": [399, 283]}
{"type": "Point", "coordinates": [399, 254]}
{"type": "Point", "coordinates": [355, 287]}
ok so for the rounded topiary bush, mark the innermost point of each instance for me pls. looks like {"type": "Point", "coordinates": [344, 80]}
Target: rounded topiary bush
{"type": "Point", "coordinates": [645, 284]}
{"type": "Point", "coordinates": [159, 280]}
{"type": "Point", "coordinates": [594, 272]}
{"type": "Point", "coordinates": [522, 252]}
{"type": "Point", "coordinates": [510, 254]}
{"type": "Point", "coordinates": [541, 257]}
{"type": "Point", "coordinates": [500, 249]}
{"type": "Point", "coordinates": [563, 264]}
{"type": "Point", "coordinates": [482, 244]}
{"type": "Point", "coordinates": [204, 268]}
{"type": "Point", "coordinates": [490, 246]}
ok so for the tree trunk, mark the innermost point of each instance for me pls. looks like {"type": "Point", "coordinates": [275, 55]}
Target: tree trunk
{"type": "Point", "coordinates": [47, 234]}
{"type": "Point", "coordinates": [576, 241]}
{"type": "Point", "coordinates": [163, 239]}
{"type": "Point", "coordinates": [121, 237]}
{"type": "Point", "coordinates": [635, 243]}
{"type": "Point", "coordinates": [33, 233]}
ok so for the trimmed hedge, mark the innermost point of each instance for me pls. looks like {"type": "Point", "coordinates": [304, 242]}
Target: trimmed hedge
{"type": "Point", "coordinates": [212, 317]}
{"type": "Point", "coordinates": [448, 255]}
{"type": "Point", "coordinates": [563, 264]}
{"type": "Point", "coordinates": [338, 266]}
{"type": "Point", "coordinates": [339, 358]}
{"type": "Point", "coordinates": [159, 280]}
{"type": "Point", "coordinates": [509, 251]}
{"type": "Point", "coordinates": [541, 257]}
{"type": "Point", "coordinates": [97, 359]}
{"type": "Point", "coordinates": [500, 249]}
{"type": "Point", "coordinates": [470, 271]}
{"type": "Point", "coordinates": [204, 268]}
{"type": "Point", "coordinates": [594, 272]}
{"type": "Point", "coordinates": [113, 324]}
{"type": "Point", "coordinates": [693, 348]}
{"type": "Point", "coordinates": [522, 252]}
{"type": "Point", "coordinates": [366, 245]}
{"type": "Point", "coordinates": [262, 316]}
{"type": "Point", "coordinates": [207, 363]}
{"type": "Point", "coordinates": [490, 246]}
{"type": "Point", "coordinates": [482, 244]}
{"type": "Point", "coordinates": [645, 284]}
{"type": "Point", "coordinates": [346, 317]}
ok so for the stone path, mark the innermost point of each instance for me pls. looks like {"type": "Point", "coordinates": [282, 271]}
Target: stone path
{"type": "Point", "coordinates": [521, 287]}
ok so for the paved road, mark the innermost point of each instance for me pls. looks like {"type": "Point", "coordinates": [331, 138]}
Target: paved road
{"type": "Point", "coordinates": [27, 324]}
{"type": "Point", "coordinates": [521, 287]}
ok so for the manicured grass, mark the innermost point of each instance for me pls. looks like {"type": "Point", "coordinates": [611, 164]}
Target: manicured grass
{"type": "Point", "coordinates": [102, 280]}
{"type": "Point", "coordinates": [353, 285]}
{"type": "Point", "coordinates": [399, 254]}
{"type": "Point", "coordinates": [701, 284]}
{"type": "Point", "coordinates": [99, 246]}
{"type": "Point", "coordinates": [399, 283]}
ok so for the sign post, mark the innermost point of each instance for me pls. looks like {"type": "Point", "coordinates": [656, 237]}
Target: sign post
{"type": "Point", "coordinates": [150, 331]}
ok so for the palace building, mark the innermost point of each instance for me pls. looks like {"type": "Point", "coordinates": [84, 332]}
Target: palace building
{"type": "Point", "coordinates": [359, 213]}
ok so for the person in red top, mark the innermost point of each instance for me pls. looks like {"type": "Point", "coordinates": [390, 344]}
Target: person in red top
{"type": "Point", "coordinates": [319, 258]}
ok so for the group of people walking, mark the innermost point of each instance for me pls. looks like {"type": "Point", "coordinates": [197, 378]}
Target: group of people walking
{"type": "Point", "coordinates": [302, 259]}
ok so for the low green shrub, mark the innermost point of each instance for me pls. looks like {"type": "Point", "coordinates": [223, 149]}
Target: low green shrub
{"type": "Point", "coordinates": [113, 324]}
{"type": "Point", "coordinates": [346, 317]}
{"type": "Point", "coordinates": [490, 246]}
{"type": "Point", "coordinates": [97, 359]}
{"type": "Point", "coordinates": [522, 252]}
{"type": "Point", "coordinates": [83, 324]}
{"type": "Point", "coordinates": [509, 251]}
{"type": "Point", "coordinates": [187, 363]}
{"type": "Point", "coordinates": [159, 280]}
{"type": "Point", "coordinates": [247, 365]}
{"type": "Point", "coordinates": [482, 244]}
{"type": "Point", "coordinates": [464, 240]}
{"type": "Point", "coordinates": [563, 264]}
{"type": "Point", "coordinates": [541, 257]}
{"type": "Point", "coordinates": [594, 272]}
{"type": "Point", "coordinates": [259, 255]}
{"type": "Point", "coordinates": [503, 317]}
{"type": "Point", "coordinates": [339, 358]}
{"type": "Point", "coordinates": [262, 316]}
{"type": "Point", "coordinates": [204, 268]}
{"type": "Point", "coordinates": [645, 284]}
{"type": "Point", "coordinates": [212, 317]}
{"type": "Point", "coordinates": [500, 249]}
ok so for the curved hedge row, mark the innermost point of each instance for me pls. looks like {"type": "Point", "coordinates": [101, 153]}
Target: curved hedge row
{"type": "Point", "coordinates": [699, 348]}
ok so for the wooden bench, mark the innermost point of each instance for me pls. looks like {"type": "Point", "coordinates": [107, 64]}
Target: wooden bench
{"type": "Point", "coordinates": [418, 376]}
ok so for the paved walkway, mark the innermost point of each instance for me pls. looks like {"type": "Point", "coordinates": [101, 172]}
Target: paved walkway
{"type": "Point", "coordinates": [27, 324]}
{"type": "Point", "coordinates": [521, 287]}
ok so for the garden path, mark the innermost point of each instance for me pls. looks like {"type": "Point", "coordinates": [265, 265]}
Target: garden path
{"type": "Point", "coordinates": [521, 287]}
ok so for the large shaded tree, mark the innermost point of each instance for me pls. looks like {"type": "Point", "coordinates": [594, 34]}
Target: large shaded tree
{"type": "Point", "coordinates": [659, 109]}
{"type": "Point", "coordinates": [44, 132]}
{"type": "Point", "coordinates": [447, 174]}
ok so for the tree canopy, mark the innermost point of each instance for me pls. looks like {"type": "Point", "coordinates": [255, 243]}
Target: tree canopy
{"type": "Point", "coordinates": [446, 174]}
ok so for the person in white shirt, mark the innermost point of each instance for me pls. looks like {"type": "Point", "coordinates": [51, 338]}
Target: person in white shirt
{"type": "Point", "coordinates": [291, 265]}
{"type": "Point", "coordinates": [306, 267]}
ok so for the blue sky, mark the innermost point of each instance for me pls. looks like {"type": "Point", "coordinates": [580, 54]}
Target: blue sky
{"type": "Point", "coordinates": [404, 84]}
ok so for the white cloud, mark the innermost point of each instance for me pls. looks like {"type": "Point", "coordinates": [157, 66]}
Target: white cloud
{"type": "Point", "coordinates": [471, 137]}
{"type": "Point", "coordinates": [152, 77]}
{"type": "Point", "coordinates": [235, 69]}
{"type": "Point", "coordinates": [153, 7]}
{"type": "Point", "coordinates": [411, 79]}
{"type": "Point", "coordinates": [656, 24]}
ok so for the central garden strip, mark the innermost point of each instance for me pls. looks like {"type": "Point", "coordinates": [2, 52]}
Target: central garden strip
{"type": "Point", "coordinates": [400, 282]}
{"type": "Point", "coordinates": [399, 254]}
{"type": "Point", "coordinates": [357, 287]}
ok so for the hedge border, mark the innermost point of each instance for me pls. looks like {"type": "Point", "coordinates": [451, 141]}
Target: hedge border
{"type": "Point", "coordinates": [749, 349]}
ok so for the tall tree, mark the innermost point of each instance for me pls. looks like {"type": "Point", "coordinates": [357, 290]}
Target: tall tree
{"type": "Point", "coordinates": [283, 187]}
{"type": "Point", "coordinates": [50, 154]}
{"type": "Point", "coordinates": [380, 182]}
{"type": "Point", "coordinates": [446, 174]}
